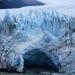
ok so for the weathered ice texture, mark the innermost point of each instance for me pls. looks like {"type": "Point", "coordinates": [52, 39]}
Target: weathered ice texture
{"type": "Point", "coordinates": [37, 38]}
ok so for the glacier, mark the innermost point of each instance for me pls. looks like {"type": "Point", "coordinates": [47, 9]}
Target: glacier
{"type": "Point", "coordinates": [35, 37]}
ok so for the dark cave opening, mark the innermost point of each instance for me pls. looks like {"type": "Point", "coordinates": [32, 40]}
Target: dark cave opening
{"type": "Point", "coordinates": [39, 61]}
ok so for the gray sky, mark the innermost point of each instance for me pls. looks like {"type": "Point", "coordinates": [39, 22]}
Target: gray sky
{"type": "Point", "coordinates": [63, 6]}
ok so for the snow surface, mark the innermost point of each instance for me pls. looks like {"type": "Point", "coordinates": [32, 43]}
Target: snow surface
{"type": "Point", "coordinates": [66, 7]}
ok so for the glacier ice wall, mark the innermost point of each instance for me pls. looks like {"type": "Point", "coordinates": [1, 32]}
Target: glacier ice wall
{"type": "Point", "coordinates": [47, 31]}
